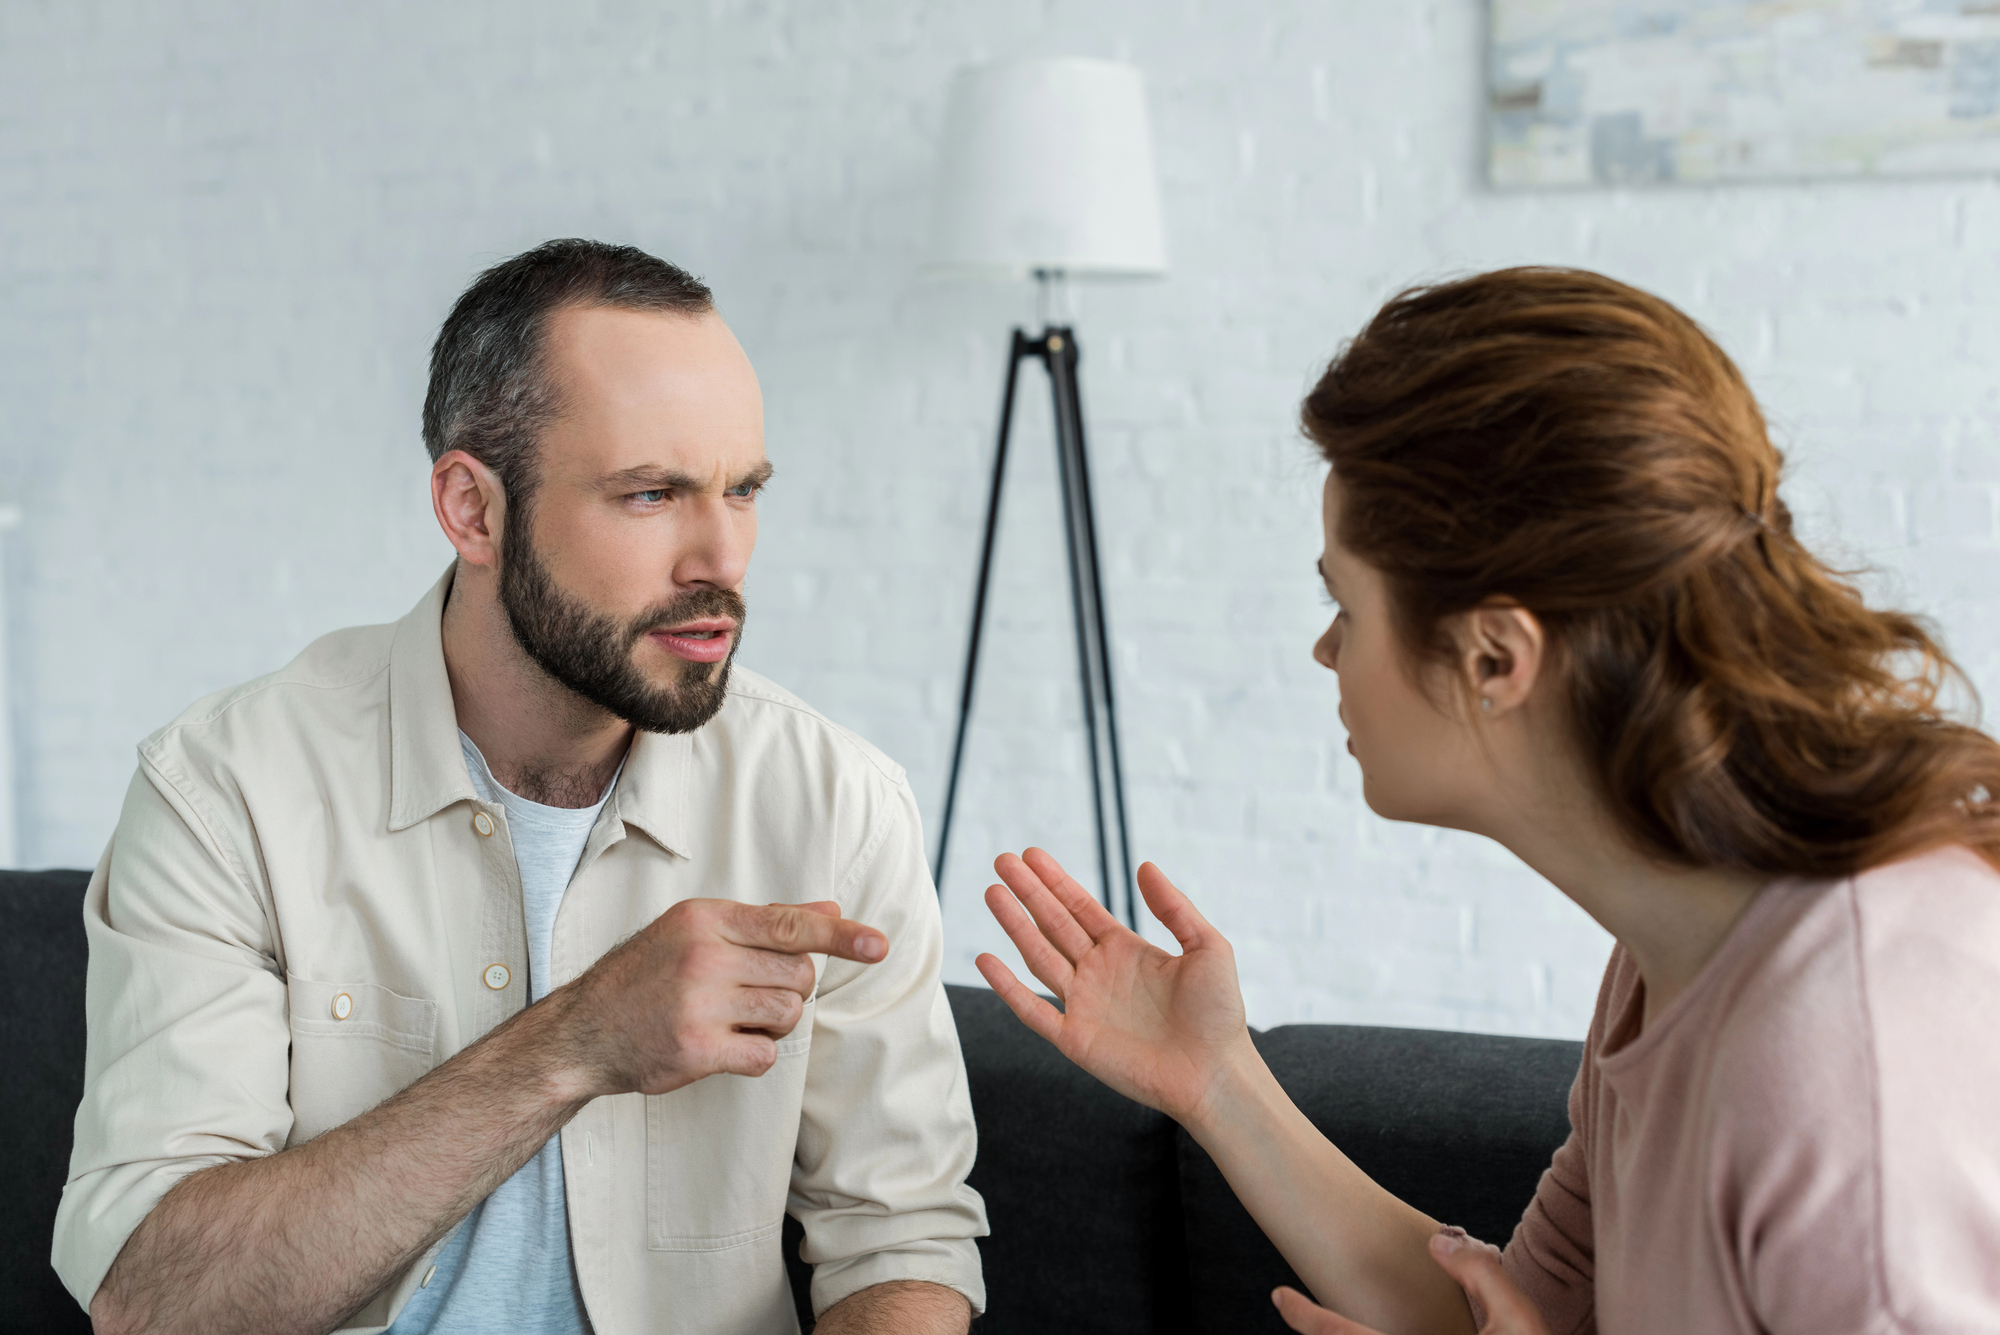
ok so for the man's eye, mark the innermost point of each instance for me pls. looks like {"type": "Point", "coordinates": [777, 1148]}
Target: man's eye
{"type": "Point", "coordinates": [652, 497]}
{"type": "Point", "coordinates": [744, 489]}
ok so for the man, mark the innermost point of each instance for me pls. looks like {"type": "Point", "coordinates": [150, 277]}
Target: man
{"type": "Point", "coordinates": [505, 969]}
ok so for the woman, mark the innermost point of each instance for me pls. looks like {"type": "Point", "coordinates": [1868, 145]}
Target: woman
{"type": "Point", "coordinates": [1573, 617]}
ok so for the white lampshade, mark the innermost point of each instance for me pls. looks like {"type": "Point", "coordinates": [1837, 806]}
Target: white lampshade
{"type": "Point", "coordinates": [1047, 164]}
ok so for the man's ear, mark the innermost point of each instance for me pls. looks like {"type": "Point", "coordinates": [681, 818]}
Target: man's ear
{"type": "Point", "coordinates": [1503, 651]}
{"type": "Point", "coordinates": [471, 507]}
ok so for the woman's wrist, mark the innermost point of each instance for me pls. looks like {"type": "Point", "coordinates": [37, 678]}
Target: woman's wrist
{"type": "Point", "coordinates": [1238, 1095]}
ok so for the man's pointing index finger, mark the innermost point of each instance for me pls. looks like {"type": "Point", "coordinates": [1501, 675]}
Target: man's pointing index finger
{"type": "Point", "coordinates": [794, 930]}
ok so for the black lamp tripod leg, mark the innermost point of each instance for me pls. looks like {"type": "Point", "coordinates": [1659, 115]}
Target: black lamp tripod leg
{"type": "Point", "coordinates": [1100, 711]}
{"type": "Point", "coordinates": [1057, 350]}
{"type": "Point", "coordinates": [1022, 347]}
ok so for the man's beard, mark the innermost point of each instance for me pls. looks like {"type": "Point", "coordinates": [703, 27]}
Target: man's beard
{"type": "Point", "coordinates": [591, 653]}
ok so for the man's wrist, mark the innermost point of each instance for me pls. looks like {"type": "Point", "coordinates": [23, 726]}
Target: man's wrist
{"type": "Point", "coordinates": [551, 1039]}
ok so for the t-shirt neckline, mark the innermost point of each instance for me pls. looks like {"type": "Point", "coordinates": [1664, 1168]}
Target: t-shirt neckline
{"type": "Point", "coordinates": [518, 805]}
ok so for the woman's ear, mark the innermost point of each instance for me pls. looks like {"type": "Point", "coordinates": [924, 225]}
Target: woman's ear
{"type": "Point", "coordinates": [1502, 652]}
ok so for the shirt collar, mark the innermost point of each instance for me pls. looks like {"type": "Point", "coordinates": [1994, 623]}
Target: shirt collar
{"type": "Point", "coordinates": [426, 771]}
{"type": "Point", "coordinates": [427, 768]}
{"type": "Point", "coordinates": [652, 792]}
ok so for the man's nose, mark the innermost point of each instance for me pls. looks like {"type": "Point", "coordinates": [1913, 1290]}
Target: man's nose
{"type": "Point", "coordinates": [715, 546]}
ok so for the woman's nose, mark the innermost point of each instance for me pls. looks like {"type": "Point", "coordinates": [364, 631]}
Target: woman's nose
{"type": "Point", "coordinates": [1327, 651]}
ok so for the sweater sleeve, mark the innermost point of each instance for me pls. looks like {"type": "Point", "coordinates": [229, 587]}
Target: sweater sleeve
{"type": "Point", "coordinates": [1552, 1256]}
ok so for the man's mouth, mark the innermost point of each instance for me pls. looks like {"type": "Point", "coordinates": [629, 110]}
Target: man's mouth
{"type": "Point", "coordinates": [704, 641]}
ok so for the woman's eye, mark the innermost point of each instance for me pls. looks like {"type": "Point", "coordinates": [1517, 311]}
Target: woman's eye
{"type": "Point", "coordinates": [653, 497]}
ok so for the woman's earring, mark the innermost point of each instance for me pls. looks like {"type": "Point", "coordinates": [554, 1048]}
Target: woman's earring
{"type": "Point", "coordinates": [1486, 703]}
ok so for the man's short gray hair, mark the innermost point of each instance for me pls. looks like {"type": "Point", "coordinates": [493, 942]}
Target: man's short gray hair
{"type": "Point", "coordinates": [490, 393]}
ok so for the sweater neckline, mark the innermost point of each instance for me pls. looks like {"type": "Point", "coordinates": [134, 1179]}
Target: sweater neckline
{"type": "Point", "coordinates": [1626, 1044]}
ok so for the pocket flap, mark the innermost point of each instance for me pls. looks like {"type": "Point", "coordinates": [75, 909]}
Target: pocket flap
{"type": "Point", "coordinates": [362, 1010]}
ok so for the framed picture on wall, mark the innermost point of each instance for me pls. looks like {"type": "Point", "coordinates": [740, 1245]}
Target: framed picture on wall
{"type": "Point", "coordinates": [1616, 92]}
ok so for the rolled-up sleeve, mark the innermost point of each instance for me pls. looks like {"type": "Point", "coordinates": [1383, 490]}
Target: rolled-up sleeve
{"type": "Point", "coordinates": [886, 1136]}
{"type": "Point", "coordinates": [187, 1061]}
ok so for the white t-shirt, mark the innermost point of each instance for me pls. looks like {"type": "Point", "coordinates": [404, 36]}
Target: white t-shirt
{"type": "Point", "coordinates": [509, 1267]}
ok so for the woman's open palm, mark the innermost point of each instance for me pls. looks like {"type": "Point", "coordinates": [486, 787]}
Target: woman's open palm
{"type": "Point", "coordinates": [1153, 1026]}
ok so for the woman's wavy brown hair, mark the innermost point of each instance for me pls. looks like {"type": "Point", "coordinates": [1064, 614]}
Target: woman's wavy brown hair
{"type": "Point", "coordinates": [1555, 438]}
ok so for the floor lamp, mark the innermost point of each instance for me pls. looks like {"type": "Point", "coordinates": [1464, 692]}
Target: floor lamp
{"type": "Point", "coordinates": [1047, 171]}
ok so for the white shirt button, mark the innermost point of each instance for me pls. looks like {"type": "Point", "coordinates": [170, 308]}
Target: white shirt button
{"type": "Point", "coordinates": [427, 1277]}
{"type": "Point", "coordinates": [483, 823]}
{"type": "Point", "coordinates": [343, 1006]}
{"type": "Point", "coordinates": [497, 976]}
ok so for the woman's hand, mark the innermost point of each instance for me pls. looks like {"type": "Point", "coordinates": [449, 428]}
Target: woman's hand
{"type": "Point", "coordinates": [1157, 1028]}
{"type": "Point", "coordinates": [1476, 1267]}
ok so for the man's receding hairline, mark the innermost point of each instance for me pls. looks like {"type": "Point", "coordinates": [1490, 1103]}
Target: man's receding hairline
{"type": "Point", "coordinates": [544, 361]}
{"type": "Point", "coordinates": [597, 303]}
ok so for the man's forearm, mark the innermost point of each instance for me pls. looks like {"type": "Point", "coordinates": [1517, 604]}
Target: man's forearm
{"type": "Point", "coordinates": [296, 1241]}
{"type": "Point", "coordinates": [900, 1307]}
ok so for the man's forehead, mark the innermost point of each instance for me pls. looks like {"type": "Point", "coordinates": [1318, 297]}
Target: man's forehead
{"type": "Point", "coordinates": [642, 389]}
{"type": "Point", "coordinates": [615, 348]}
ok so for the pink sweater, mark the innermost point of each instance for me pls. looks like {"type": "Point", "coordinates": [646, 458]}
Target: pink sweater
{"type": "Point", "coordinates": [1806, 1140]}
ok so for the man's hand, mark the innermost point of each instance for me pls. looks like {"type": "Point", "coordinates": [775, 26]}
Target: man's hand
{"type": "Point", "coordinates": [1476, 1267]}
{"type": "Point", "coordinates": [709, 986]}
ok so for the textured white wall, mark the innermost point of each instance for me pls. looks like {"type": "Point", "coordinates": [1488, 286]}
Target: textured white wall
{"type": "Point", "coordinates": [228, 233]}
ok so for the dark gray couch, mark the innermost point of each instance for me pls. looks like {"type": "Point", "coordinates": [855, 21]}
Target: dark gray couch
{"type": "Point", "coordinates": [1106, 1217]}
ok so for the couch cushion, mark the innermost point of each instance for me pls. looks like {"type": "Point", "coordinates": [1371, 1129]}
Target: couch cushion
{"type": "Point", "coordinates": [1080, 1187]}
{"type": "Point", "coordinates": [42, 956]}
{"type": "Point", "coordinates": [1459, 1125]}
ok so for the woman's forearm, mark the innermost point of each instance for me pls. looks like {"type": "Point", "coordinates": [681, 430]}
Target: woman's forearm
{"type": "Point", "coordinates": [1363, 1252]}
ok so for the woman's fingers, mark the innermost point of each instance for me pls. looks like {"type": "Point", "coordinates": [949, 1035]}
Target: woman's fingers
{"type": "Point", "coordinates": [1043, 960]}
{"type": "Point", "coordinates": [1033, 1011]}
{"type": "Point", "coordinates": [1476, 1267]}
{"type": "Point", "coordinates": [1303, 1314]}
{"type": "Point", "coordinates": [1090, 915]}
{"type": "Point", "coordinates": [1058, 924]}
{"type": "Point", "coordinates": [1175, 910]}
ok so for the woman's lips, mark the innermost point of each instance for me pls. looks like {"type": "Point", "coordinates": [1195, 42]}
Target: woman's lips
{"type": "Point", "coordinates": [697, 641]}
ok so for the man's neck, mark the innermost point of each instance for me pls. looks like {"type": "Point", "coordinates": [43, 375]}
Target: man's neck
{"type": "Point", "coordinates": [540, 739]}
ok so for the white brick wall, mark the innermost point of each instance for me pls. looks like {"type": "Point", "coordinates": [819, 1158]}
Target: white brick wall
{"type": "Point", "coordinates": [229, 231]}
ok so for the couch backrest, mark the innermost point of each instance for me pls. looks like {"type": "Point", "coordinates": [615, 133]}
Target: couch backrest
{"type": "Point", "coordinates": [41, 1050]}
{"type": "Point", "coordinates": [1106, 1217]}
{"type": "Point", "coordinates": [1459, 1125]}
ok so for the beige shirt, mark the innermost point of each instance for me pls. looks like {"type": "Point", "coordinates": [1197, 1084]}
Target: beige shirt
{"type": "Point", "coordinates": [1806, 1140]}
{"type": "Point", "coordinates": [306, 907]}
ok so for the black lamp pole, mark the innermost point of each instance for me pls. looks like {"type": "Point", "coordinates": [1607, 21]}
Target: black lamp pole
{"type": "Point", "coordinates": [1056, 349]}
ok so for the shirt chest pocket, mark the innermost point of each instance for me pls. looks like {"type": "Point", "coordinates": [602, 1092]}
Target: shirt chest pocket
{"type": "Point", "coordinates": [353, 1045]}
{"type": "Point", "coordinates": [719, 1153]}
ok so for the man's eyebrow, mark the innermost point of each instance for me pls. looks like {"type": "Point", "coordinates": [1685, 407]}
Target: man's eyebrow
{"type": "Point", "coordinates": [652, 477]}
